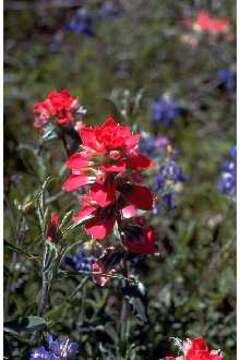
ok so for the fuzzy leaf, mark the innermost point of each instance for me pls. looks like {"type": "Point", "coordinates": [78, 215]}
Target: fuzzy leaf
{"type": "Point", "coordinates": [25, 324]}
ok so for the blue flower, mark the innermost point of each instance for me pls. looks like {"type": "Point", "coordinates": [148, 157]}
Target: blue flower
{"type": "Point", "coordinates": [227, 79]}
{"type": "Point", "coordinates": [171, 171]}
{"type": "Point", "coordinates": [59, 349]}
{"type": "Point", "coordinates": [82, 23]}
{"type": "Point", "coordinates": [165, 111]}
{"type": "Point", "coordinates": [109, 10]}
{"type": "Point", "coordinates": [40, 354]}
{"type": "Point", "coordinates": [227, 182]}
{"type": "Point", "coordinates": [80, 261]}
{"type": "Point", "coordinates": [170, 174]}
{"type": "Point", "coordinates": [152, 146]}
{"type": "Point", "coordinates": [62, 348]}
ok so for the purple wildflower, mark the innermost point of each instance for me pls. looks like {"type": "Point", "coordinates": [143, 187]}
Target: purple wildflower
{"type": "Point", "coordinates": [227, 182]}
{"type": "Point", "coordinates": [165, 184]}
{"type": "Point", "coordinates": [227, 80]}
{"type": "Point", "coordinates": [153, 146]}
{"type": "Point", "coordinates": [109, 10]}
{"type": "Point", "coordinates": [82, 23]}
{"type": "Point", "coordinates": [80, 261]}
{"type": "Point", "coordinates": [59, 349]}
{"type": "Point", "coordinates": [165, 111]}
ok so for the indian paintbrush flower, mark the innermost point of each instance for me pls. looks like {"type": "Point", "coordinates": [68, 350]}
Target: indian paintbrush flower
{"type": "Point", "coordinates": [59, 105]}
{"type": "Point", "coordinates": [196, 349]}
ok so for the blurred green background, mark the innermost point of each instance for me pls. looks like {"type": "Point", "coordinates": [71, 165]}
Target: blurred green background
{"type": "Point", "coordinates": [191, 286]}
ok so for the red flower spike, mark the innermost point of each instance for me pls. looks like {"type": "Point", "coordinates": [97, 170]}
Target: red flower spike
{"type": "Point", "coordinates": [205, 22]}
{"type": "Point", "coordinates": [110, 152]}
{"type": "Point", "coordinates": [60, 105]}
{"type": "Point", "coordinates": [197, 349]}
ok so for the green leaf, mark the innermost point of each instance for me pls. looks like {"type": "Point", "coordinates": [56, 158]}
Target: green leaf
{"type": "Point", "coordinates": [66, 219]}
{"type": "Point", "coordinates": [16, 249]}
{"type": "Point", "coordinates": [25, 324]}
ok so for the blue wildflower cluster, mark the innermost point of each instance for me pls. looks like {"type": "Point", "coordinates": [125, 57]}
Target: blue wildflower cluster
{"type": "Point", "coordinates": [165, 111]}
{"type": "Point", "coordinates": [80, 261]}
{"type": "Point", "coordinates": [153, 146]}
{"type": "Point", "coordinates": [227, 80]}
{"type": "Point", "coordinates": [227, 183]}
{"type": "Point", "coordinates": [167, 183]}
{"type": "Point", "coordinates": [83, 21]}
{"type": "Point", "coordinates": [58, 349]}
{"type": "Point", "coordinates": [168, 174]}
{"type": "Point", "coordinates": [109, 10]}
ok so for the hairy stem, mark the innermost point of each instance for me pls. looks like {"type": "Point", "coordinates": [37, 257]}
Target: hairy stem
{"type": "Point", "coordinates": [43, 302]}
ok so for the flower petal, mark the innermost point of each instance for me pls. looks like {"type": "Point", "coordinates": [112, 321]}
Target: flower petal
{"type": "Point", "coordinates": [139, 196]}
{"type": "Point", "coordinates": [139, 161]}
{"type": "Point", "coordinates": [84, 213]}
{"type": "Point", "coordinates": [77, 161]}
{"type": "Point", "coordinates": [74, 182]}
{"type": "Point", "coordinates": [99, 229]}
{"type": "Point", "coordinates": [103, 195]}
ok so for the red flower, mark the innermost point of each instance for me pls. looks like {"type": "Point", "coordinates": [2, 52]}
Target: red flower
{"type": "Point", "coordinates": [214, 25]}
{"type": "Point", "coordinates": [109, 164]}
{"type": "Point", "coordinates": [139, 238]}
{"type": "Point", "coordinates": [197, 349]}
{"type": "Point", "coordinates": [108, 158]}
{"type": "Point", "coordinates": [53, 224]}
{"type": "Point", "coordinates": [60, 105]}
{"type": "Point", "coordinates": [98, 221]}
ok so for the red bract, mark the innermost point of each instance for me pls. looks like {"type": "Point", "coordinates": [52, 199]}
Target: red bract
{"type": "Point", "coordinates": [53, 225]}
{"type": "Point", "coordinates": [60, 105]}
{"type": "Point", "coordinates": [110, 164]}
{"type": "Point", "coordinates": [109, 136]}
{"type": "Point", "coordinates": [99, 221]}
{"type": "Point", "coordinates": [197, 349]}
{"type": "Point", "coordinates": [139, 238]}
{"type": "Point", "coordinates": [214, 25]}
{"type": "Point", "coordinates": [107, 149]}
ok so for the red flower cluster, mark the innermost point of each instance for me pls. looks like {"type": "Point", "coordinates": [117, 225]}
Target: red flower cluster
{"type": "Point", "coordinates": [110, 164]}
{"type": "Point", "coordinates": [197, 349]}
{"type": "Point", "coordinates": [60, 105]}
{"type": "Point", "coordinates": [214, 25]}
